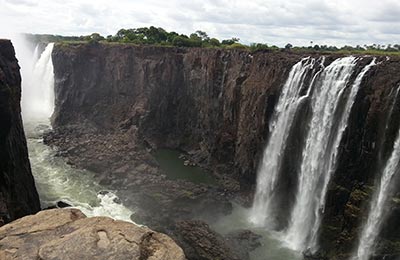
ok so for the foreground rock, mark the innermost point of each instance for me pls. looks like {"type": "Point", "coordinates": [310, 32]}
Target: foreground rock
{"type": "Point", "coordinates": [18, 195]}
{"type": "Point", "coordinates": [67, 234]}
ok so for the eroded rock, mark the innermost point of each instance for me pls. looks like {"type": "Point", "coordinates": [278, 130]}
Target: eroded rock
{"type": "Point", "coordinates": [67, 234]}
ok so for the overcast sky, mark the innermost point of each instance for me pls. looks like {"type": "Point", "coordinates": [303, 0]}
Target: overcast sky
{"type": "Point", "coordinates": [335, 22]}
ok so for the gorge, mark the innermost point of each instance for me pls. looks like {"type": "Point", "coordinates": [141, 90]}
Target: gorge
{"type": "Point", "coordinates": [218, 107]}
{"type": "Point", "coordinates": [314, 138]}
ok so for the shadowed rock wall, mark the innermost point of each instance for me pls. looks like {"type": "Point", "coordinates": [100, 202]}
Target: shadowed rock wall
{"type": "Point", "coordinates": [18, 196]}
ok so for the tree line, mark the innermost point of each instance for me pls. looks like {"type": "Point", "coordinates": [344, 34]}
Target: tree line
{"type": "Point", "coordinates": [158, 36]}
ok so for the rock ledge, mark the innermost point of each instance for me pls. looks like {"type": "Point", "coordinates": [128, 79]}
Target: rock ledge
{"type": "Point", "coordinates": [69, 234]}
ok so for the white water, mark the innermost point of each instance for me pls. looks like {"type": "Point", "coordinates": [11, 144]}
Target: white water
{"type": "Point", "coordinates": [38, 97]}
{"type": "Point", "coordinates": [376, 214]}
{"type": "Point", "coordinates": [56, 180]}
{"type": "Point", "coordinates": [281, 123]}
{"type": "Point", "coordinates": [320, 152]}
{"type": "Point", "coordinates": [327, 90]}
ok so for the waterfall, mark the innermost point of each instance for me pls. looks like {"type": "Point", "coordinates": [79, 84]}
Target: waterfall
{"type": "Point", "coordinates": [321, 150]}
{"type": "Point", "coordinates": [38, 87]}
{"type": "Point", "coordinates": [55, 179]}
{"type": "Point", "coordinates": [289, 100]}
{"type": "Point", "coordinates": [331, 97]}
{"type": "Point", "coordinates": [376, 214]}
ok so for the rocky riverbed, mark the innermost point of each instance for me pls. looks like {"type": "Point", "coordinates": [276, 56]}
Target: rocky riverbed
{"type": "Point", "coordinates": [180, 208]}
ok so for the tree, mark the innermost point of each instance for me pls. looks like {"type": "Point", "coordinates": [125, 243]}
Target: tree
{"type": "Point", "coordinates": [203, 36]}
{"type": "Point", "coordinates": [230, 41]}
{"type": "Point", "coordinates": [96, 37]}
{"type": "Point", "coordinates": [214, 42]}
{"type": "Point", "coordinates": [288, 46]}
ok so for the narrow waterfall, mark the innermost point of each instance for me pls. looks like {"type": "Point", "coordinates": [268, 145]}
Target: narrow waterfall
{"type": "Point", "coordinates": [38, 93]}
{"type": "Point", "coordinates": [289, 100]}
{"type": "Point", "coordinates": [331, 96]}
{"type": "Point", "coordinates": [55, 179]}
{"type": "Point", "coordinates": [376, 214]}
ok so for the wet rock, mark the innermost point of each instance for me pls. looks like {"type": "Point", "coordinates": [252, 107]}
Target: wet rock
{"type": "Point", "coordinates": [317, 256]}
{"type": "Point", "coordinates": [62, 204]}
{"type": "Point", "coordinates": [243, 242]}
{"type": "Point", "coordinates": [66, 234]}
{"type": "Point", "coordinates": [201, 243]}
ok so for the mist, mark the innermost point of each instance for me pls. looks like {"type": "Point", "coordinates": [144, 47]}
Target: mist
{"type": "Point", "coordinates": [37, 78]}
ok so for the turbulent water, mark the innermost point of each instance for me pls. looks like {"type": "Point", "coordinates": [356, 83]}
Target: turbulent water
{"type": "Point", "coordinates": [331, 97]}
{"type": "Point", "coordinates": [56, 180]}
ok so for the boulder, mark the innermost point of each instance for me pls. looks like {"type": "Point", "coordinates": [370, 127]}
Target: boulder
{"type": "Point", "coordinates": [65, 234]}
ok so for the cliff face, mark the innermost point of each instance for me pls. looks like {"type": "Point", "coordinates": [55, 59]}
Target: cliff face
{"type": "Point", "coordinates": [213, 103]}
{"type": "Point", "coordinates": [18, 196]}
{"type": "Point", "coordinates": [217, 105]}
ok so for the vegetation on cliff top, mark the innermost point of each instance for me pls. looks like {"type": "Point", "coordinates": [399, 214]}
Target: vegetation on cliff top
{"type": "Point", "coordinates": [160, 37]}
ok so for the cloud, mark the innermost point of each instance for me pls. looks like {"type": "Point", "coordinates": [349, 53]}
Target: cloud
{"type": "Point", "coordinates": [335, 22]}
{"type": "Point", "coordinates": [22, 2]}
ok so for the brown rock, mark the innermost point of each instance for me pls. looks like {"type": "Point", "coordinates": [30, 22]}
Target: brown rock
{"type": "Point", "coordinates": [67, 234]}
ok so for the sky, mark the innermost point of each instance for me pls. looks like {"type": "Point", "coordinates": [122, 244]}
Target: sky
{"type": "Point", "coordinates": [299, 22]}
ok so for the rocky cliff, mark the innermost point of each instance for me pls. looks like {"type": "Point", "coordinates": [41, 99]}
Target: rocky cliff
{"type": "Point", "coordinates": [213, 103]}
{"type": "Point", "coordinates": [18, 196]}
{"type": "Point", "coordinates": [216, 105]}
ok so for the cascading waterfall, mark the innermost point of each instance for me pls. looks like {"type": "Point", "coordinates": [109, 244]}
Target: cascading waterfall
{"type": "Point", "coordinates": [320, 152]}
{"type": "Point", "coordinates": [329, 87]}
{"type": "Point", "coordinates": [56, 180]}
{"type": "Point", "coordinates": [281, 122]}
{"type": "Point", "coordinates": [38, 93]}
{"type": "Point", "coordinates": [376, 214]}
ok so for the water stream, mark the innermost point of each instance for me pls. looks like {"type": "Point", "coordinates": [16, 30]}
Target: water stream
{"type": "Point", "coordinates": [55, 179]}
{"type": "Point", "coordinates": [174, 166]}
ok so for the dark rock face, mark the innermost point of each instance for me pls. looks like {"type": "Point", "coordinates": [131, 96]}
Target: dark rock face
{"type": "Point", "coordinates": [18, 196]}
{"type": "Point", "coordinates": [215, 105]}
{"type": "Point", "coordinates": [211, 102]}
{"type": "Point", "coordinates": [366, 145]}
{"type": "Point", "coordinates": [200, 242]}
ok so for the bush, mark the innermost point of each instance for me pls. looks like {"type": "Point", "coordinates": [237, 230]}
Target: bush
{"type": "Point", "coordinates": [237, 46]}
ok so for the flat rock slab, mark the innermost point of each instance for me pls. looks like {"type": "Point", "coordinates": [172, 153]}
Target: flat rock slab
{"type": "Point", "coordinates": [68, 234]}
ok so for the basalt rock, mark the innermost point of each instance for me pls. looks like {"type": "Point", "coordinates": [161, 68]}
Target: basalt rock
{"type": "Point", "coordinates": [200, 242]}
{"type": "Point", "coordinates": [216, 105]}
{"type": "Point", "coordinates": [213, 103]}
{"type": "Point", "coordinates": [18, 195]}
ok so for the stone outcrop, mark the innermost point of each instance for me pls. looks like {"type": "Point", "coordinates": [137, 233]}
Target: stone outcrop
{"type": "Point", "coordinates": [68, 234]}
{"type": "Point", "coordinates": [216, 105]}
{"type": "Point", "coordinates": [202, 243]}
{"type": "Point", "coordinates": [18, 195]}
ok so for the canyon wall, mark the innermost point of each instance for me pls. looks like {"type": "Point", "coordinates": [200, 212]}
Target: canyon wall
{"type": "Point", "coordinates": [213, 103]}
{"type": "Point", "coordinates": [18, 196]}
{"type": "Point", "coordinates": [217, 104]}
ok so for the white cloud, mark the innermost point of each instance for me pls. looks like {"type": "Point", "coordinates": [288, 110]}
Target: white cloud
{"type": "Point", "coordinates": [335, 22]}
